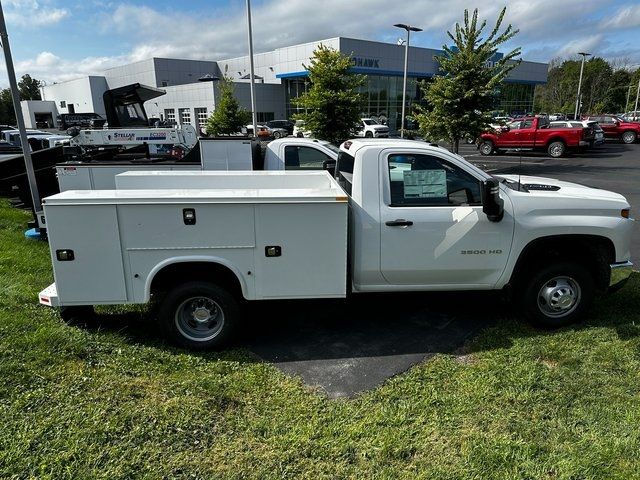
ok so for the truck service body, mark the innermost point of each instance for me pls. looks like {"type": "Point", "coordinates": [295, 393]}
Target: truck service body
{"type": "Point", "coordinates": [399, 216]}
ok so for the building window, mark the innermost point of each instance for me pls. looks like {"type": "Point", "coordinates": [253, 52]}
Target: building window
{"type": "Point", "coordinates": [63, 104]}
{"type": "Point", "coordinates": [185, 116]}
{"type": "Point", "coordinates": [201, 116]}
{"type": "Point", "coordinates": [170, 115]}
{"type": "Point", "coordinates": [263, 117]}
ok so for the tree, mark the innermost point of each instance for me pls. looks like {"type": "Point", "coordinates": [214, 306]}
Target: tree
{"type": "Point", "coordinates": [29, 88]}
{"type": "Point", "coordinates": [332, 104]}
{"type": "Point", "coordinates": [7, 114]}
{"type": "Point", "coordinates": [604, 86]}
{"type": "Point", "coordinates": [228, 117]}
{"type": "Point", "coordinates": [460, 100]}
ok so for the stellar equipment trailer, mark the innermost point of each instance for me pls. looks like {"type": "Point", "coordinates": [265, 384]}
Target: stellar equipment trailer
{"type": "Point", "coordinates": [400, 216]}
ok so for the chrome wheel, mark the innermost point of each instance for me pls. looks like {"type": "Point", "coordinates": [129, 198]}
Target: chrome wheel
{"type": "Point", "coordinates": [559, 297]}
{"type": "Point", "coordinates": [556, 149]}
{"type": "Point", "coordinates": [486, 148]}
{"type": "Point", "coordinates": [199, 319]}
{"type": "Point", "coordinates": [628, 137]}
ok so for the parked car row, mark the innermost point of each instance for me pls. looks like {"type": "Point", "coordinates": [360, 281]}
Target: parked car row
{"type": "Point", "coordinates": [366, 128]}
{"type": "Point", "coordinates": [615, 127]}
{"type": "Point", "coordinates": [38, 140]}
{"type": "Point", "coordinates": [537, 133]}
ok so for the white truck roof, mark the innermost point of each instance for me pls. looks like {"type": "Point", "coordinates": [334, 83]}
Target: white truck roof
{"type": "Point", "coordinates": [213, 187]}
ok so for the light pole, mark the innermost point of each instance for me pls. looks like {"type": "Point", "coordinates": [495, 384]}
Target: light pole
{"type": "Point", "coordinates": [409, 29]}
{"type": "Point", "coordinates": [254, 115]}
{"type": "Point", "coordinates": [626, 105]}
{"type": "Point", "coordinates": [584, 55]}
{"type": "Point", "coordinates": [635, 109]}
{"type": "Point", "coordinates": [24, 142]}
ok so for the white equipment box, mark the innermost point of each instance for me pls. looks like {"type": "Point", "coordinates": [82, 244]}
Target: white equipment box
{"type": "Point", "coordinates": [283, 236]}
{"type": "Point", "coordinates": [227, 154]}
{"type": "Point", "coordinates": [101, 176]}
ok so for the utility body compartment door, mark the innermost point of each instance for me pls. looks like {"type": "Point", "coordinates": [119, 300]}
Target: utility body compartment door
{"type": "Point", "coordinates": [95, 274]}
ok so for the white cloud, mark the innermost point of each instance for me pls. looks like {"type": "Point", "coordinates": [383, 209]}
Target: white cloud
{"type": "Point", "coordinates": [625, 17]}
{"type": "Point", "coordinates": [31, 13]}
{"type": "Point", "coordinates": [585, 44]}
{"type": "Point", "coordinates": [548, 28]}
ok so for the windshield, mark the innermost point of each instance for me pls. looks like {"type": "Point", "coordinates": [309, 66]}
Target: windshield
{"type": "Point", "coordinates": [331, 147]}
{"type": "Point", "coordinates": [368, 121]}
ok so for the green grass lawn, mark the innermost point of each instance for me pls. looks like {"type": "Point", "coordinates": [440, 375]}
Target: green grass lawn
{"type": "Point", "coordinates": [88, 403]}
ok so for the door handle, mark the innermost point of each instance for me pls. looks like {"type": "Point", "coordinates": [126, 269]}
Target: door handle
{"type": "Point", "coordinates": [400, 222]}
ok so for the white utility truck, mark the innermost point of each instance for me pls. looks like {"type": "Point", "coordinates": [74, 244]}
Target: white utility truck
{"type": "Point", "coordinates": [400, 216]}
{"type": "Point", "coordinates": [215, 154]}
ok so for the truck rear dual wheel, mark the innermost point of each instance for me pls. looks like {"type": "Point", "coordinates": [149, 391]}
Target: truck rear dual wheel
{"type": "Point", "coordinates": [557, 295]}
{"type": "Point", "coordinates": [198, 315]}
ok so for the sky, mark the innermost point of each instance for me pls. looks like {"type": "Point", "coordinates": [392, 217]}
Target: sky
{"type": "Point", "coordinates": [57, 40]}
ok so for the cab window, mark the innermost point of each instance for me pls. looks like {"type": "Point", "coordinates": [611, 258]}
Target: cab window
{"type": "Point", "coordinates": [303, 158]}
{"type": "Point", "coordinates": [426, 180]}
{"type": "Point", "coordinates": [344, 171]}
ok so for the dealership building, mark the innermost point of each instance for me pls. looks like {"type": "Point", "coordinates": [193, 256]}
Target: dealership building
{"type": "Point", "coordinates": [280, 76]}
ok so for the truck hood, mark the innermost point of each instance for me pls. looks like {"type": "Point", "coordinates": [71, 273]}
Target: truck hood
{"type": "Point", "coordinates": [549, 187]}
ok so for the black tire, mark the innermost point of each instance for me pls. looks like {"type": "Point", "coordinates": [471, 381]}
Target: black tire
{"type": "Point", "coordinates": [556, 149]}
{"type": "Point", "coordinates": [79, 315]}
{"type": "Point", "coordinates": [277, 135]}
{"type": "Point", "coordinates": [546, 295]}
{"type": "Point", "coordinates": [486, 148]}
{"type": "Point", "coordinates": [368, 134]}
{"type": "Point", "coordinates": [186, 330]}
{"type": "Point", "coordinates": [629, 137]}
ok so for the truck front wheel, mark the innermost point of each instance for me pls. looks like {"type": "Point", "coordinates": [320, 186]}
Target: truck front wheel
{"type": "Point", "coordinates": [486, 147]}
{"type": "Point", "coordinates": [557, 295]}
{"type": "Point", "coordinates": [556, 149]}
{"type": "Point", "coordinates": [198, 315]}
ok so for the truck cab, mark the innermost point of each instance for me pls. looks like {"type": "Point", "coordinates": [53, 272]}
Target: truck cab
{"type": "Point", "coordinates": [300, 154]}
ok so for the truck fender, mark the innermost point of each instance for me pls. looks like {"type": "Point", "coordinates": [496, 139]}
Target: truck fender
{"type": "Point", "coordinates": [194, 259]}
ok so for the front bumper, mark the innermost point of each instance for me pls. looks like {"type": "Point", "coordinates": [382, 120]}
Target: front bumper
{"type": "Point", "coordinates": [620, 273]}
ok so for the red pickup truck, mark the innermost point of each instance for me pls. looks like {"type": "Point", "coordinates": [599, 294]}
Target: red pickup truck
{"type": "Point", "coordinates": [534, 133]}
{"type": "Point", "coordinates": [616, 127]}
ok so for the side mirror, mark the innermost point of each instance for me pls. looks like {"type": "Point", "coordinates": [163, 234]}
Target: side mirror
{"type": "Point", "coordinates": [492, 204]}
{"type": "Point", "coordinates": [330, 166]}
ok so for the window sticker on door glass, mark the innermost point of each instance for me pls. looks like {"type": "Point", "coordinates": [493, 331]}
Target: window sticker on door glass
{"type": "Point", "coordinates": [425, 183]}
